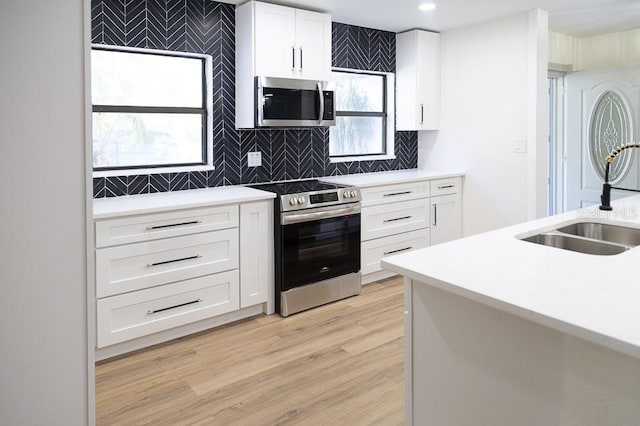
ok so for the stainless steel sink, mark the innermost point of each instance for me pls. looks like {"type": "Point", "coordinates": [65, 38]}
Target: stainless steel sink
{"type": "Point", "coordinates": [581, 245]}
{"type": "Point", "coordinates": [604, 232]}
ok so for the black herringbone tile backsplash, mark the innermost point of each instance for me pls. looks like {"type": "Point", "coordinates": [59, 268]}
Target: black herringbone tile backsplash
{"type": "Point", "coordinates": [204, 26]}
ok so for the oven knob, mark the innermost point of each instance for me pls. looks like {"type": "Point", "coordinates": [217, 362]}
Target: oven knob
{"type": "Point", "coordinates": [346, 194]}
{"type": "Point", "coordinates": [353, 194]}
{"type": "Point", "coordinates": [292, 201]}
{"type": "Point", "coordinates": [301, 200]}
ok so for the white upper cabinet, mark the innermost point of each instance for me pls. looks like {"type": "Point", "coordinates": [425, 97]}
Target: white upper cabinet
{"type": "Point", "coordinates": [289, 43]}
{"type": "Point", "coordinates": [418, 80]}
{"type": "Point", "coordinates": [277, 41]}
{"type": "Point", "coordinates": [313, 38]}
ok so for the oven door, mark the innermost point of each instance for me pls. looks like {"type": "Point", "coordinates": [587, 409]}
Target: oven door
{"type": "Point", "coordinates": [319, 244]}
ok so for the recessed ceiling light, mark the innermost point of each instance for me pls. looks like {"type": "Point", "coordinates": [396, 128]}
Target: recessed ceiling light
{"type": "Point", "coordinates": [425, 7]}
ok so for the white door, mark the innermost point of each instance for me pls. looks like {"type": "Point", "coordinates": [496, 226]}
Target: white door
{"type": "Point", "coordinates": [275, 40]}
{"type": "Point", "coordinates": [313, 45]}
{"type": "Point", "coordinates": [602, 108]}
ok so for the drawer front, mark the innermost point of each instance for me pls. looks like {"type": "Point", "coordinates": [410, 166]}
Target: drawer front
{"type": "Point", "coordinates": [137, 314]}
{"type": "Point", "coordinates": [373, 251]}
{"type": "Point", "coordinates": [389, 219]}
{"type": "Point", "coordinates": [393, 193]}
{"type": "Point", "coordinates": [445, 186]}
{"type": "Point", "coordinates": [133, 229]}
{"type": "Point", "coordinates": [136, 266]}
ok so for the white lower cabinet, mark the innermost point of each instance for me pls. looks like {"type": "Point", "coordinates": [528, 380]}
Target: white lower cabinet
{"type": "Point", "coordinates": [131, 315]}
{"type": "Point", "coordinates": [256, 246]}
{"type": "Point", "coordinates": [445, 218]}
{"type": "Point", "coordinates": [373, 251]}
{"type": "Point", "coordinates": [389, 219]}
{"type": "Point", "coordinates": [136, 266]}
{"type": "Point", "coordinates": [399, 217]}
{"type": "Point", "coordinates": [161, 275]}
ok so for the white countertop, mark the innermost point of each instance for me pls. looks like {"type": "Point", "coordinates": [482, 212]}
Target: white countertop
{"type": "Point", "coordinates": [104, 208]}
{"type": "Point", "coordinates": [593, 297]}
{"type": "Point", "coordinates": [362, 180]}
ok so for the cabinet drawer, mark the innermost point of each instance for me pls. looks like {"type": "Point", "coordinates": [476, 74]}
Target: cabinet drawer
{"type": "Point", "coordinates": [445, 186]}
{"type": "Point", "coordinates": [140, 313]}
{"type": "Point", "coordinates": [393, 193]}
{"type": "Point", "coordinates": [141, 265]}
{"type": "Point", "coordinates": [388, 219]}
{"type": "Point", "coordinates": [373, 251]}
{"type": "Point", "coordinates": [134, 229]}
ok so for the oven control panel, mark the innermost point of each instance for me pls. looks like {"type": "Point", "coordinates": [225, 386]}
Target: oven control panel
{"type": "Point", "coordinates": [323, 197]}
{"type": "Point", "coordinates": [309, 200]}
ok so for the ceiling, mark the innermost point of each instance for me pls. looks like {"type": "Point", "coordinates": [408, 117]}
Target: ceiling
{"type": "Point", "coordinates": [580, 18]}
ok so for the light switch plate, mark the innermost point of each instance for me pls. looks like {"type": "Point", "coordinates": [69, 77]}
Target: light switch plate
{"type": "Point", "coordinates": [254, 159]}
{"type": "Point", "coordinates": [520, 145]}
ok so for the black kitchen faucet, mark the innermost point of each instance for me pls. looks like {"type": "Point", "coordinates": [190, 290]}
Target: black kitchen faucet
{"type": "Point", "coordinates": [605, 198]}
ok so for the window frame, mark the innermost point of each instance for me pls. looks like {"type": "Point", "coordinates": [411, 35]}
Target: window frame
{"type": "Point", "coordinates": [388, 119]}
{"type": "Point", "coordinates": [205, 111]}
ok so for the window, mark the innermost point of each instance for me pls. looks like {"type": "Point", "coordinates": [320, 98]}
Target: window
{"type": "Point", "coordinates": [364, 116]}
{"type": "Point", "coordinates": [150, 109]}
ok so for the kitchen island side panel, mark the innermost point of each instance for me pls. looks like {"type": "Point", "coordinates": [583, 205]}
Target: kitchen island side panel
{"type": "Point", "coordinates": [473, 364]}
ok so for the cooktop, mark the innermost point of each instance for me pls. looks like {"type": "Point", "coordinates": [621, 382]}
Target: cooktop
{"type": "Point", "coordinates": [297, 187]}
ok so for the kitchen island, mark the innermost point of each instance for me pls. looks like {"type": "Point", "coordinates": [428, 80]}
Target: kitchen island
{"type": "Point", "coordinates": [501, 331]}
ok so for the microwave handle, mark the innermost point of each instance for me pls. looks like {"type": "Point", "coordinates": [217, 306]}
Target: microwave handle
{"type": "Point", "coordinates": [321, 95]}
{"type": "Point", "coordinates": [259, 102]}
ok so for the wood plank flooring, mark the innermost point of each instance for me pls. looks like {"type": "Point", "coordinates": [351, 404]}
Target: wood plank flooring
{"type": "Point", "coordinates": [339, 364]}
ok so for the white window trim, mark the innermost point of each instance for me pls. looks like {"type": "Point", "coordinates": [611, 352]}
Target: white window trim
{"type": "Point", "coordinates": [209, 142]}
{"type": "Point", "coordinates": [391, 122]}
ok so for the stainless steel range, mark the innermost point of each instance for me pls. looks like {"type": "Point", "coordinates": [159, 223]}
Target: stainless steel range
{"type": "Point", "coordinates": [317, 244]}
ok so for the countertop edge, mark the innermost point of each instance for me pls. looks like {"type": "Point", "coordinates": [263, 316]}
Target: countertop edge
{"type": "Point", "coordinates": [551, 322]}
{"type": "Point", "coordinates": [391, 177]}
{"type": "Point", "coordinates": [180, 206]}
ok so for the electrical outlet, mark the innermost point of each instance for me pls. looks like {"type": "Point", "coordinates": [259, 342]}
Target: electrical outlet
{"type": "Point", "coordinates": [254, 159]}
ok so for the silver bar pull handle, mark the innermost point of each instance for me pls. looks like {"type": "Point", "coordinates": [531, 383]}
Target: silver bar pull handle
{"type": "Point", "coordinates": [393, 194]}
{"type": "Point", "coordinates": [301, 59]}
{"type": "Point", "coordinates": [397, 218]}
{"type": "Point", "coordinates": [321, 96]}
{"type": "Point", "coordinates": [151, 312]}
{"type": "Point", "coordinates": [172, 225]}
{"type": "Point", "coordinates": [386, 253]}
{"type": "Point", "coordinates": [446, 186]}
{"type": "Point", "coordinates": [421, 113]}
{"type": "Point", "coordinates": [435, 215]}
{"type": "Point", "coordinates": [150, 265]}
{"type": "Point", "coordinates": [293, 59]}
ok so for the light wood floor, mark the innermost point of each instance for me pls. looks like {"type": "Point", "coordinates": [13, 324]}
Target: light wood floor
{"type": "Point", "coordinates": [339, 364]}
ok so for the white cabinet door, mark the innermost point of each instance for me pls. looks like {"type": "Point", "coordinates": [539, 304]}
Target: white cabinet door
{"type": "Point", "coordinates": [256, 253]}
{"type": "Point", "coordinates": [136, 266]}
{"type": "Point", "coordinates": [313, 45]}
{"type": "Point", "coordinates": [418, 80]}
{"type": "Point", "coordinates": [386, 194]}
{"type": "Point", "coordinates": [275, 41]}
{"type": "Point", "coordinates": [389, 219]}
{"type": "Point", "coordinates": [140, 313]}
{"type": "Point", "coordinates": [446, 223]}
{"type": "Point", "coordinates": [373, 251]}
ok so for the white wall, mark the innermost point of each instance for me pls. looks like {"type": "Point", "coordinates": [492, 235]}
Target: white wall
{"type": "Point", "coordinates": [485, 107]}
{"type": "Point", "coordinates": [43, 285]}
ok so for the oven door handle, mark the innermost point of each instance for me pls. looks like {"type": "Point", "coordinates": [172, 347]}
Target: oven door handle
{"type": "Point", "coordinates": [293, 217]}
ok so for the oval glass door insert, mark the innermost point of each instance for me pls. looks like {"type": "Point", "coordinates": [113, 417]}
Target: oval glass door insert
{"type": "Point", "coordinates": [610, 127]}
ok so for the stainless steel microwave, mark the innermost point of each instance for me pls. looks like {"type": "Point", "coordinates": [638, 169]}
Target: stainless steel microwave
{"type": "Point", "coordinates": [283, 102]}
